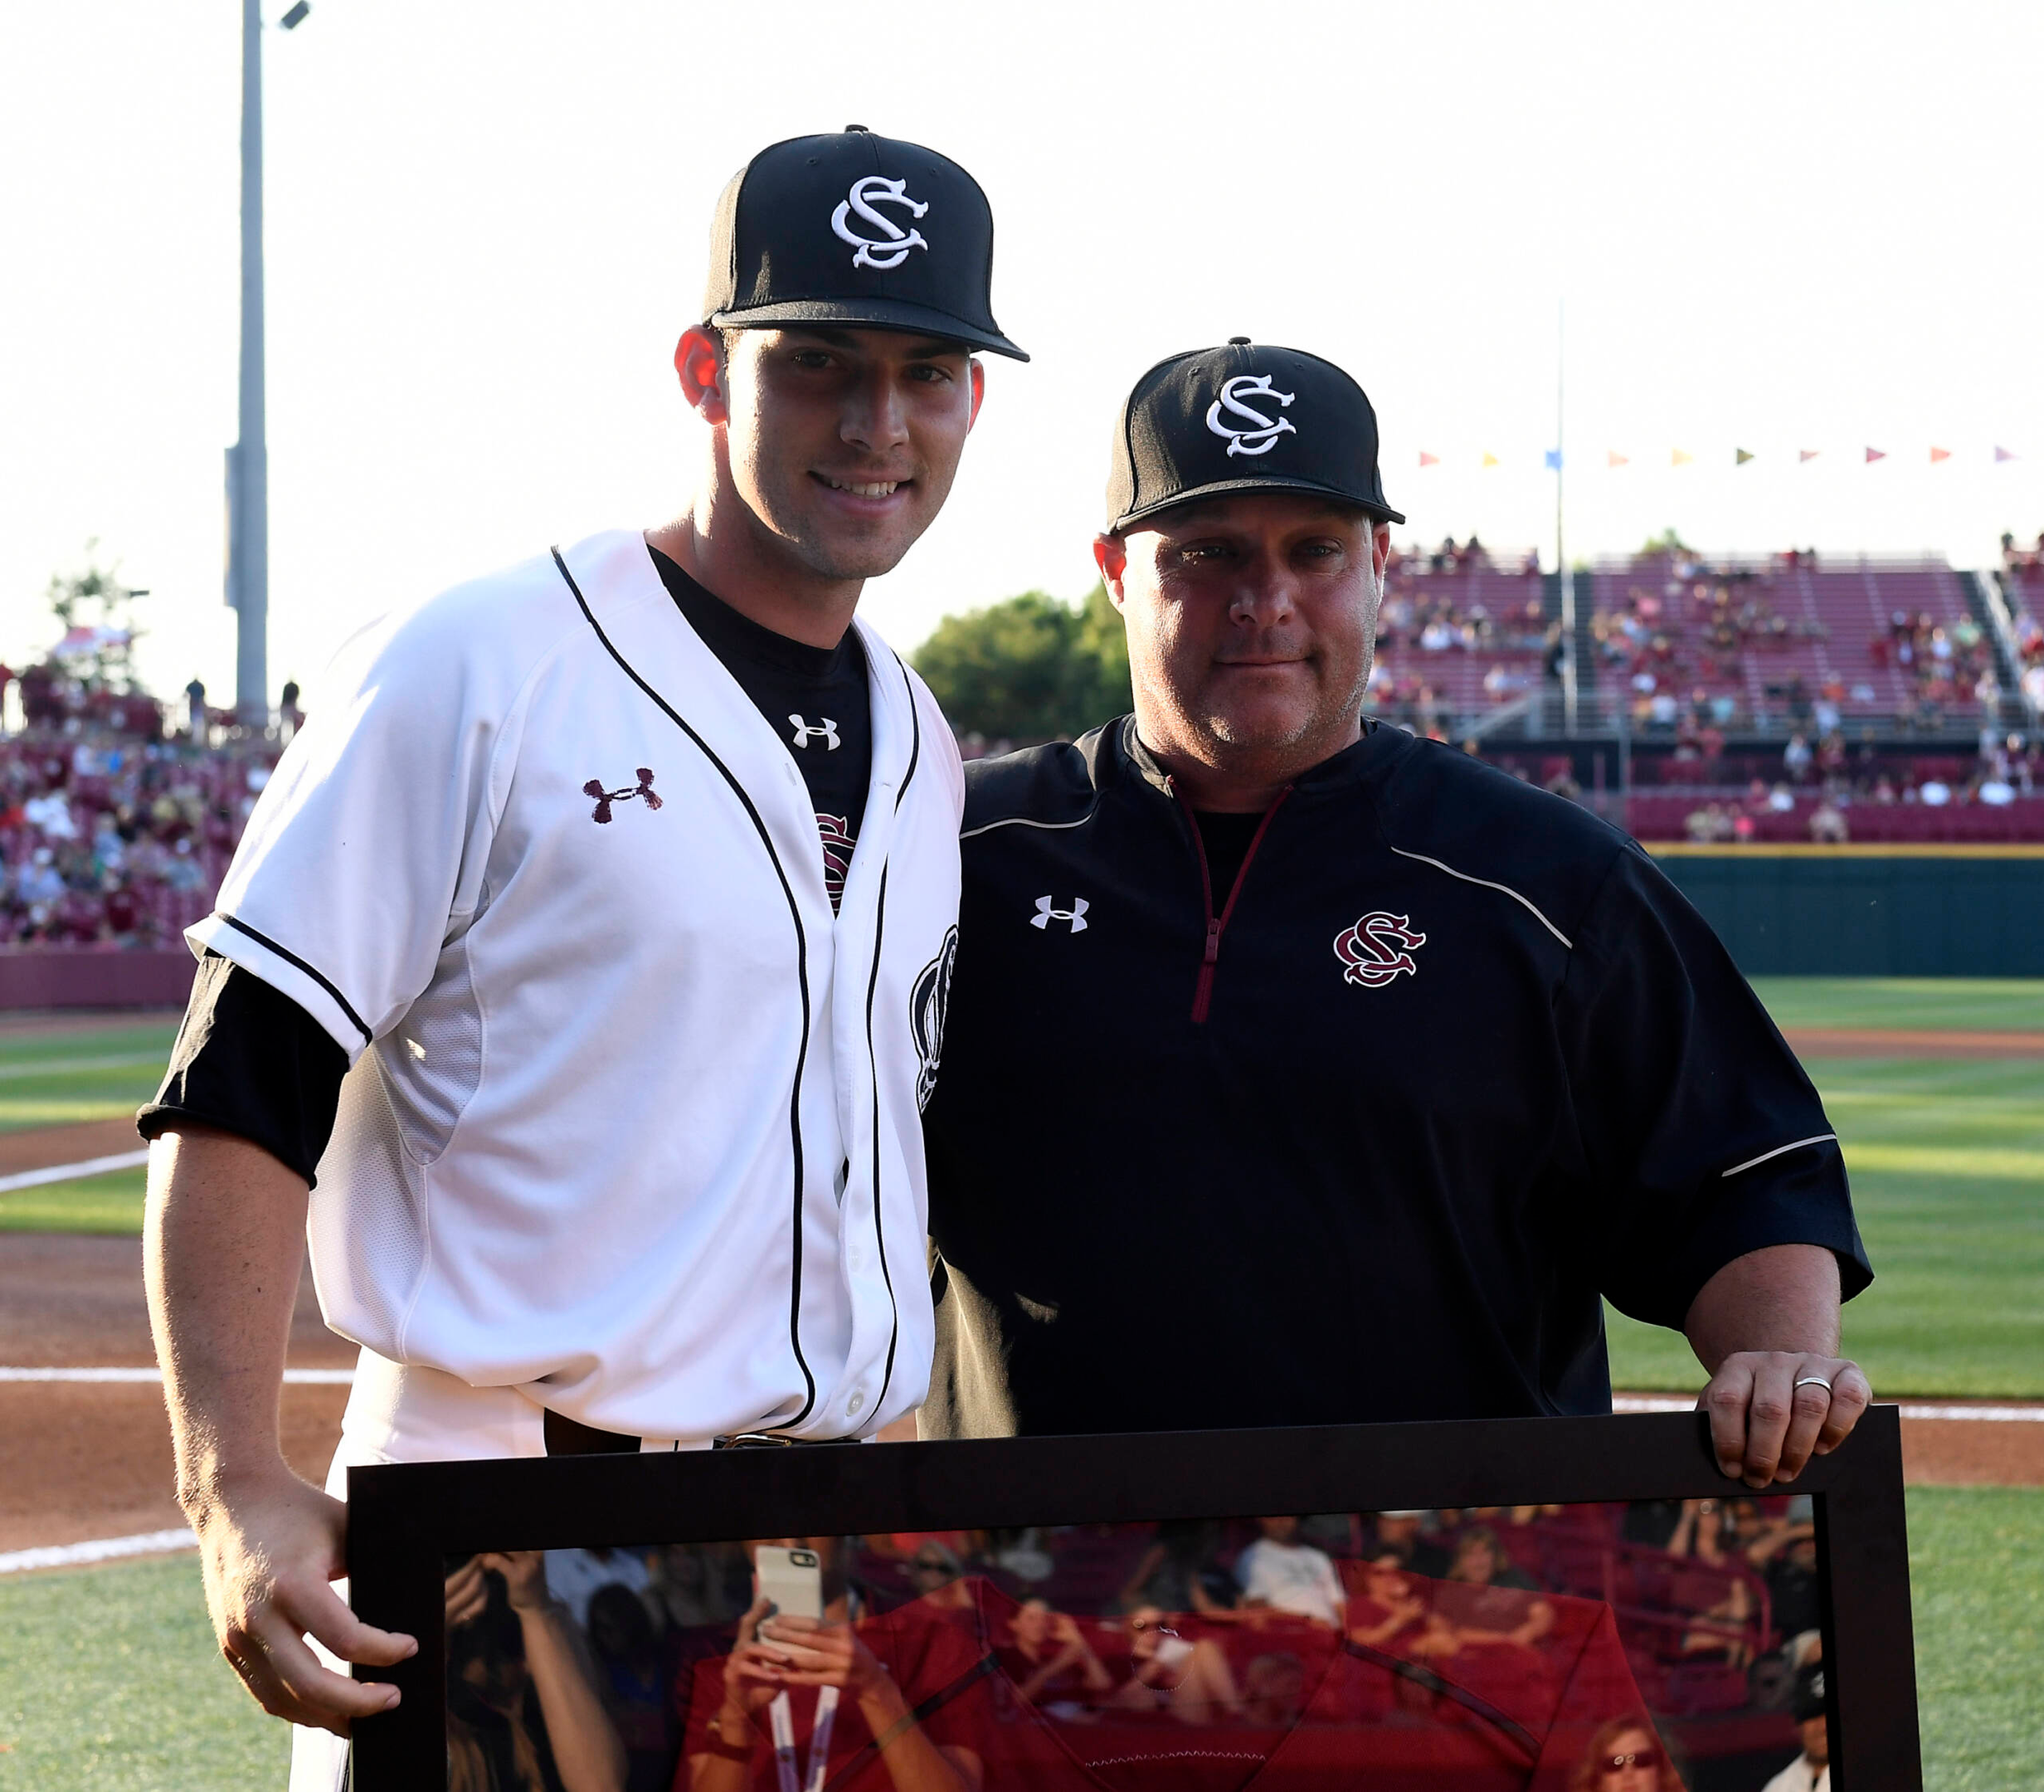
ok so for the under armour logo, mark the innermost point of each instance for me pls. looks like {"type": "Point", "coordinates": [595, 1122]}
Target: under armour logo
{"type": "Point", "coordinates": [1074, 917]}
{"type": "Point", "coordinates": [643, 789]}
{"type": "Point", "coordinates": [1378, 949]}
{"type": "Point", "coordinates": [1263, 431]}
{"type": "Point", "coordinates": [891, 247]}
{"type": "Point", "coordinates": [826, 732]}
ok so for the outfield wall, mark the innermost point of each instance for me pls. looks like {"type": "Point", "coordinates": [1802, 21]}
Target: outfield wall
{"type": "Point", "coordinates": [1869, 911]}
{"type": "Point", "coordinates": [58, 977]}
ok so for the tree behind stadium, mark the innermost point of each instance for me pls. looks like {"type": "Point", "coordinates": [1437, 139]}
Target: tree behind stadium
{"type": "Point", "coordinates": [1030, 668]}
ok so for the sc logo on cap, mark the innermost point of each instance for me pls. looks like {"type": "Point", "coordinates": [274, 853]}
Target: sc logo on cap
{"type": "Point", "coordinates": [891, 247]}
{"type": "Point", "coordinates": [1262, 434]}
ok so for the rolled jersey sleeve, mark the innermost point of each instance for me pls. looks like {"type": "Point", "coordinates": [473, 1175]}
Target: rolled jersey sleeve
{"type": "Point", "coordinates": [1702, 1138]}
{"type": "Point", "coordinates": [250, 1062]}
{"type": "Point", "coordinates": [365, 854]}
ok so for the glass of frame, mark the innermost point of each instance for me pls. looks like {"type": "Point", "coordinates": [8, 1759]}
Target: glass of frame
{"type": "Point", "coordinates": [1564, 1604]}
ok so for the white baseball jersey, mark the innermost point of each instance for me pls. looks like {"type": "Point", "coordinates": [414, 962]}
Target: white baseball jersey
{"type": "Point", "coordinates": [632, 1119]}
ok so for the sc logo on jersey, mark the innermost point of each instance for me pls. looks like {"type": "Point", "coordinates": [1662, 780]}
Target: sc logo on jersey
{"type": "Point", "coordinates": [1263, 432]}
{"type": "Point", "coordinates": [929, 1004]}
{"type": "Point", "coordinates": [1378, 949]}
{"type": "Point", "coordinates": [890, 248]}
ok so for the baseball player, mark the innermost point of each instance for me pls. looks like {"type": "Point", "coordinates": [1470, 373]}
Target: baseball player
{"type": "Point", "coordinates": [1356, 1069]}
{"type": "Point", "coordinates": [586, 955]}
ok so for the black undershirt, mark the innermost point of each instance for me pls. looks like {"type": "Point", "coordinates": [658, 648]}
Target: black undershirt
{"type": "Point", "coordinates": [815, 698]}
{"type": "Point", "coordinates": [250, 1061]}
{"type": "Point", "coordinates": [1224, 837]}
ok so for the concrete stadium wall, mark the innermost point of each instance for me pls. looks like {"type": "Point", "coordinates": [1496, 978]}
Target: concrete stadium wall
{"type": "Point", "coordinates": [1869, 911]}
{"type": "Point", "coordinates": [33, 978]}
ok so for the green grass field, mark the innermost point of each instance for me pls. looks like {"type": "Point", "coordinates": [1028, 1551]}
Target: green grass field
{"type": "Point", "coordinates": [108, 1676]}
{"type": "Point", "coordinates": [91, 1074]}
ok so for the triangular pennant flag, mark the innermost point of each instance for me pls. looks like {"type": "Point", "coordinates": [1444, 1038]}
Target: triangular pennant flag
{"type": "Point", "coordinates": [1490, 460]}
{"type": "Point", "coordinates": [1807, 454]}
{"type": "Point", "coordinates": [1940, 454]}
{"type": "Point", "coordinates": [1614, 458]}
{"type": "Point", "coordinates": [1681, 457]}
{"type": "Point", "coordinates": [1875, 453]}
{"type": "Point", "coordinates": [1744, 455]}
{"type": "Point", "coordinates": [2001, 454]}
{"type": "Point", "coordinates": [1427, 460]}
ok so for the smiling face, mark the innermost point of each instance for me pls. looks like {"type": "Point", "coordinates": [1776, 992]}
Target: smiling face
{"type": "Point", "coordinates": [1251, 622]}
{"type": "Point", "coordinates": [841, 443]}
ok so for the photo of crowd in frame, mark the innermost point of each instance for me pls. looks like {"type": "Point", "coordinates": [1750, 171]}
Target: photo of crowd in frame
{"type": "Point", "coordinates": [1710, 1642]}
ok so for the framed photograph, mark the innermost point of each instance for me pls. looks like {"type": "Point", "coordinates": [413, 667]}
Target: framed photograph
{"type": "Point", "coordinates": [1560, 1604]}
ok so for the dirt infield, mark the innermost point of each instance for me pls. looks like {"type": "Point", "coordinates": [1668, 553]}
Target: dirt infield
{"type": "Point", "coordinates": [44, 1148]}
{"type": "Point", "coordinates": [86, 1460]}
{"type": "Point", "coordinates": [1909, 1042]}
{"type": "Point", "coordinates": [47, 1023]}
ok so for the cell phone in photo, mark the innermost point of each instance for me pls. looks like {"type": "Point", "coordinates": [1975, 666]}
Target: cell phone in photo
{"type": "Point", "coordinates": [793, 1578]}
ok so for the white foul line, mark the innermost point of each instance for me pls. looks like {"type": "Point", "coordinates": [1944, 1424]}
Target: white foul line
{"type": "Point", "coordinates": [67, 1172]}
{"type": "Point", "coordinates": [99, 1550]}
{"type": "Point", "coordinates": [292, 1377]}
{"type": "Point", "coordinates": [1630, 1403]}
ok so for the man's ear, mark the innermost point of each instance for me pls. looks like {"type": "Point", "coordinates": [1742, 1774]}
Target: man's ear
{"type": "Point", "coordinates": [1380, 548]}
{"type": "Point", "coordinates": [700, 360]}
{"type": "Point", "coordinates": [1111, 555]}
{"type": "Point", "coordinates": [978, 376]}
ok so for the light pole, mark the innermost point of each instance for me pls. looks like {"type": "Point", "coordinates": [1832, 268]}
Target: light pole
{"type": "Point", "coordinates": [248, 461]}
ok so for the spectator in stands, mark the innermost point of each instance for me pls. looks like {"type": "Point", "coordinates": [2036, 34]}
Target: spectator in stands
{"type": "Point", "coordinates": [195, 711]}
{"type": "Point", "coordinates": [1278, 1572]}
{"type": "Point", "coordinates": [525, 1709]}
{"type": "Point", "coordinates": [290, 718]}
{"type": "Point", "coordinates": [1049, 1659]}
{"type": "Point", "coordinates": [1179, 1572]}
{"type": "Point", "coordinates": [1390, 1606]}
{"type": "Point", "coordinates": [1189, 1678]}
{"type": "Point", "coordinates": [1786, 1558]}
{"type": "Point", "coordinates": [634, 1678]}
{"type": "Point", "coordinates": [1503, 1604]}
{"type": "Point", "coordinates": [1796, 757]}
{"type": "Point", "coordinates": [1626, 1756]}
{"type": "Point", "coordinates": [1810, 1771]}
{"type": "Point", "coordinates": [1828, 822]}
{"type": "Point", "coordinates": [1403, 1537]}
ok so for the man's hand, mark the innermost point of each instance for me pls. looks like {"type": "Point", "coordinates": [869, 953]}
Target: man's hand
{"type": "Point", "coordinates": [1766, 1327]}
{"type": "Point", "coordinates": [268, 1557]}
{"type": "Point", "coordinates": [1772, 1410]}
{"type": "Point", "coordinates": [223, 1237]}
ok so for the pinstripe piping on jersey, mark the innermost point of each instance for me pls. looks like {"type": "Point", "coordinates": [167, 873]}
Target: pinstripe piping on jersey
{"type": "Point", "coordinates": [801, 968]}
{"type": "Point", "coordinates": [1816, 1138]}
{"type": "Point", "coordinates": [1505, 888]}
{"type": "Point", "coordinates": [873, 1064]}
{"type": "Point", "coordinates": [988, 827]}
{"type": "Point", "coordinates": [291, 957]}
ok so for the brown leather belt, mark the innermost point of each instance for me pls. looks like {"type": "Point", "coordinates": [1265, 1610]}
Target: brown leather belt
{"type": "Point", "coordinates": [571, 1437]}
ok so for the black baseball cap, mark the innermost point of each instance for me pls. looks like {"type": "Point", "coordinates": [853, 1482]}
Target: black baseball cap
{"type": "Point", "coordinates": [858, 229]}
{"type": "Point", "coordinates": [1244, 417]}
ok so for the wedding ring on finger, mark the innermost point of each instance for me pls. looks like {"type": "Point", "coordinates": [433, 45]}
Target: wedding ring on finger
{"type": "Point", "coordinates": [1812, 1380]}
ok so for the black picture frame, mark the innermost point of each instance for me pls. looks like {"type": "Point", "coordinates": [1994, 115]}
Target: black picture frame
{"type": "Point", "coordinates": [405, 1521]}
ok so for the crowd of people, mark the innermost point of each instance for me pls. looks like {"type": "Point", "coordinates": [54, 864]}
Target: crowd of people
{"type": "Point", "coordinates": [2022, 588]}
{"type": "Point", "coordinates": [115, 838]}
{"type": "Point", "coordinates": [1605, 1639]}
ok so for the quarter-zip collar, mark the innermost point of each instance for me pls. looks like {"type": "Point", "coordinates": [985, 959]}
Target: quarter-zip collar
{"type": "Point", "coordinates": [1120, 742]}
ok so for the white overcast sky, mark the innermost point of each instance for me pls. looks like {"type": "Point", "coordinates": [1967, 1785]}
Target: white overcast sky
{"type": "Point", "coordinates": [1774, 226]}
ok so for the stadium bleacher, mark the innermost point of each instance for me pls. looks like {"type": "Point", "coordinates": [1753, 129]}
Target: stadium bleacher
{"type": "Point", "coordinates": [1459, 633]}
